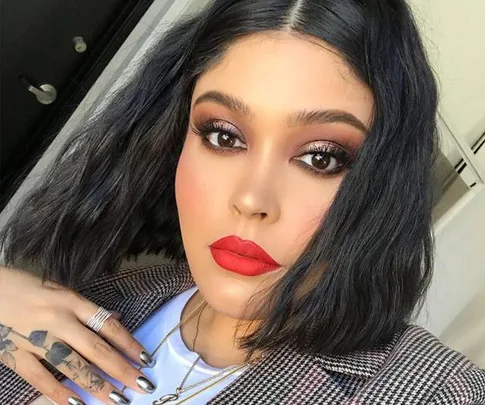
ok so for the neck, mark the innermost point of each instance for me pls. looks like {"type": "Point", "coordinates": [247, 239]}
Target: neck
{"type": "Point", "coordinates": [216, 341]}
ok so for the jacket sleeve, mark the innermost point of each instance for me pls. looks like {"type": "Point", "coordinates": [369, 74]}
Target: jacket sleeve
{"type": "Point", "coordinates": [465, 388]}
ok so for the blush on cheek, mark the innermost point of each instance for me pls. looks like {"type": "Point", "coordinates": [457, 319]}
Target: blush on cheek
{"type": "Point", "coordinates": [191, 190]}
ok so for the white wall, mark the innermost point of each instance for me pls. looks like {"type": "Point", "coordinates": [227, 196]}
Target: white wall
{"type": "Point", "coordinates": [454, 33]}
{"type": "Point", "coordinates": [455, 306]}
{"type": "Point", "coordinates": [455, 36]}
{"type": "Point", "coordinates": [460, 265]}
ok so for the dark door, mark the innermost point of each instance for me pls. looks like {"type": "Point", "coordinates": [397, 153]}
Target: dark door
{"type": "Point", "coordinates": [52, 52]}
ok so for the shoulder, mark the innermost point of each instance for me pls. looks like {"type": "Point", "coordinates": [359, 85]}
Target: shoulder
{"type": "Point", "coordinates": [420, 360]}
{"type": "Point", "coordinates": [149, 275]}
{"type": "Point", "coordinates": [414, 368]}
{"type": "Point", "coordinates": [137, 291]}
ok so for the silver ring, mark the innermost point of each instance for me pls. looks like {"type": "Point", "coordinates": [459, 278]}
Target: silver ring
{"type": "Point", "coordinates": [97, 321]}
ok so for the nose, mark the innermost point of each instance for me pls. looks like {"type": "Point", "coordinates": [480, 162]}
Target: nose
{"type": "Point", "coordinates": [256, 199]}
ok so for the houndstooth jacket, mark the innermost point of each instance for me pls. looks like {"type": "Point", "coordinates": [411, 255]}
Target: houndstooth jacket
{"type": "Point", "coordinates": [415, 368]}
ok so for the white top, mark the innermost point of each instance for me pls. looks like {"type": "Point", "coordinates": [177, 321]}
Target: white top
{"type": "Point", "coordinates": [173, 360]}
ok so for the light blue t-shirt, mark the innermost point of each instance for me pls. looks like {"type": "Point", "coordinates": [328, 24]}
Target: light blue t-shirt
{"type": "Point", "coordinates": [173, 360]}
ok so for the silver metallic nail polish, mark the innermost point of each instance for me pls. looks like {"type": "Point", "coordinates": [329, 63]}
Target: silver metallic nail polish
{"type": "Point", "coordinates": [146, 359]}
{"type": "Point", "coordinates": [145, 384]}
{"type": "Point", "coordinates": [118, 398]}
{"type": "Point", "coordinates": [75, 401]}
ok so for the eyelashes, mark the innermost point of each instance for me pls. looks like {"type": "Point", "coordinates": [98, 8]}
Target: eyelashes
{"type": "Point", "coordinates": [321, 158]}
{"type": "Point", "coordinates": [324, 159]}
{"type": "Point", "coordinates": [219, 136]}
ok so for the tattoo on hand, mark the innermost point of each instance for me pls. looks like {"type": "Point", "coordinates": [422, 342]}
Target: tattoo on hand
{"type": "Point", "coordinates": [7, 347]}
{"type": "Point", "coordinates": [37, 338]}
{"type": "Point", "coordinates": [95, 382]}
{"type": "Point", "coordinates": [83, 372]}
{"type": "Point", "coordinates": [55, 355]}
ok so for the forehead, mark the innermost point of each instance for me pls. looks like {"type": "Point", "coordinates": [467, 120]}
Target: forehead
{"type": "Point", "coordinates": [279, 72]}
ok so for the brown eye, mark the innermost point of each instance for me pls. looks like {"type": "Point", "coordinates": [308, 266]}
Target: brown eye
{"type": "Point", "coordinates": [322, 161]}
{"type": "Point", "coordinates": [326, 161]}
{"type": "Point", "coordinates": [220, 136]}
{"type": "Point", "coordinates": [225, 140]}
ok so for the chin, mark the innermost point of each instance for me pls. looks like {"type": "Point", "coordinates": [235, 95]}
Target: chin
{"type": "Point", "coordinates": [227, 292]}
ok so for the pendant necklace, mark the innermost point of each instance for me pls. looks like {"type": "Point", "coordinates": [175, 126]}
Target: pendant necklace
{"type": "Point", "coordinates": [222, 375]}
{"type": "Point", "coordinates": [181, 389]}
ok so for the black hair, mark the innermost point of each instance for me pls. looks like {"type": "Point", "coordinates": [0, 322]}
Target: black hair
{"type": "Point", "coordinates": [110, 193]}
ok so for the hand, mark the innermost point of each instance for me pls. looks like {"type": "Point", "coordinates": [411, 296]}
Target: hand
{"type": "Point", "coordinates": [48, 322]}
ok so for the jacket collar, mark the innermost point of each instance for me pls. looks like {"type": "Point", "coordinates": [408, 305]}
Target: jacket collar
{"type": "Point", "coordinates": [364, 364]}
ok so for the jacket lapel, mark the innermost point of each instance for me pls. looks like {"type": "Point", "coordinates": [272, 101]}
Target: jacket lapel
{"type": "Point", "coordinates": [137, 292]}
{"type": "Point", "coordinates": [289, 377]}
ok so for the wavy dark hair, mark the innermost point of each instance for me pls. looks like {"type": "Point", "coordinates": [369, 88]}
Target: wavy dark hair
{"type": "Point", "coordinates": [110, 193]}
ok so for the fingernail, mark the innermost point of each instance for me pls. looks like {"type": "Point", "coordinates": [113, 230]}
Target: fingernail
{"type": "Point", "coordinates": [145, 384]}
{"type": "Point", "coordinates": [147, 359]}
{"type": "Point", "coordinates": [118, 398]}
{"type": "Point", "coordinates": [75, 401]}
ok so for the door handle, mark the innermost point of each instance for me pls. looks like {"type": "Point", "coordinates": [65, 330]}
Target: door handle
{"type": "Point", "coordinates": [45, 93]}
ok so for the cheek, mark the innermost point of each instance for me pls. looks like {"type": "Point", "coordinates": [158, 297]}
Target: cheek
{"type": "Point", "coordinates": [195, 190]}
{"type": "Point", "coordinates": [189, 188]}
{"type": "Point", "coordinates": [313, 200]}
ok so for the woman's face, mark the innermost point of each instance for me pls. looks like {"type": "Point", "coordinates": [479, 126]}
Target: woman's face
{"type": "Point", "coordinates": [273, 128]}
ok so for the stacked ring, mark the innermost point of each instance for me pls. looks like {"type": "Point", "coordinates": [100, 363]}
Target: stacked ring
{"type": "Point", "coordinates": [97, 321]}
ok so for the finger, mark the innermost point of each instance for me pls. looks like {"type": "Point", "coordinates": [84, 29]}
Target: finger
{"type": "Point", "coordinates": [76, 368]}
{"type": "Point", "coordinates": [32, 371]}
{"type": "Point", "coordinates": [96, 350]}
{"type": "Point", "coordinates": [114, 333]}
{"type": "Point", "coordinates": [117, 315]}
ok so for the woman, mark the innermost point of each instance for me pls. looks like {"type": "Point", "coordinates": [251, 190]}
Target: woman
{"type": "Point", "coordinates": [281, 152]}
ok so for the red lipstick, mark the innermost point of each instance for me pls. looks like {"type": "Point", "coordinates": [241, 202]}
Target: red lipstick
{"type": "Point", "coordinates": [242, 256]}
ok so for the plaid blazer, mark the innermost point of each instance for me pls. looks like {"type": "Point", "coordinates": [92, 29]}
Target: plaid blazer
{"type": "Point", "coordinates": [415, 368]}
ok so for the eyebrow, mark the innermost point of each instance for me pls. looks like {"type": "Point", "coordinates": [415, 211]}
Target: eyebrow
{"type": "Point", "coordinates": [298, 118]}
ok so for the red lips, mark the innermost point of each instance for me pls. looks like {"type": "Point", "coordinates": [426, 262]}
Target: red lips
{"type": "Point", "coordinates": [242, 256]}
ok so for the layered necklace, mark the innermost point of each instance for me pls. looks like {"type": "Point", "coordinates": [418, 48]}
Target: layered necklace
{"type": "Point", "coordinates": [214, 379]}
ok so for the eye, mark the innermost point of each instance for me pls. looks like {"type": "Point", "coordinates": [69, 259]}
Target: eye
{"type": "Point", "coordinates": [321, 161]}
{"type": "Point", "coordinates": [325, 160]}
{"type": "Point", "coordinates": [219, 136]}
{"type": "Point", "coordinates": [224, 140]}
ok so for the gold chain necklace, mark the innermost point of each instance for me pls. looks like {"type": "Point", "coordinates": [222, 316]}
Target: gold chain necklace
{"type": "Point", "coordinates": [180, 389]}
{"type": "Point", "coordinates": [207, 387]}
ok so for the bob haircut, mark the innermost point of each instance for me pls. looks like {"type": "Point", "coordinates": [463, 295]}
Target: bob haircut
{"type": "Point", "coordinates": [110, 194]}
